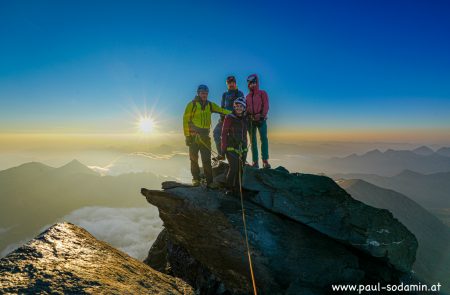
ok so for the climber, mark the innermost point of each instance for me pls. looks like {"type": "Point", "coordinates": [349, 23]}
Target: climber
{"type": "Point", "coordinates": [257, 109]}
{"type": "Point", "coordinates": [228, 98]}
{"type": "Point", "coordinates": [196, 127]}
{"type": "Point", "coordinates": [234, 144]}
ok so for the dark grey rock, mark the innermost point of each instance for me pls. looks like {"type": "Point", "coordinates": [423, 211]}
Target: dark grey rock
{"type": "Point", "coordinates": [204, 229]}
{"type": "Point", "coordinates": [318, 202]}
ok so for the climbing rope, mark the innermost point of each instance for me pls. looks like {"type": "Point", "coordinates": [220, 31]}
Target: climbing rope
{"type": "Point", "coordinates": [255, 292]}
{"type": "Point", "coordinates": [199, 138]}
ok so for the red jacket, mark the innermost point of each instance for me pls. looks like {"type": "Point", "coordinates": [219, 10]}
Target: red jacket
{"type": "Point", "coordinates": [234, 132]}
{"type": "Point", "coordinates": [257, 102]}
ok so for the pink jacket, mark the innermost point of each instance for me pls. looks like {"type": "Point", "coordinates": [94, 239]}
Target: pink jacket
{"type": "Point", "coordinates": [257, 101]}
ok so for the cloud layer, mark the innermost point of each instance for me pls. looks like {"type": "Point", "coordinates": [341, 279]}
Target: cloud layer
{"type": "Point", "coordinates": [132, 230]}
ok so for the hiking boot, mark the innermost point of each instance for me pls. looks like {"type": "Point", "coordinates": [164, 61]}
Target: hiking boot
{"type": "Point", "coordinates": [213, 185]}
{"type": "Point", "coordinates": [255, 165]}
{"type": "Point", "coordinates": [195, 182]}
{"type": "Point", "coordinates": [266, 165]}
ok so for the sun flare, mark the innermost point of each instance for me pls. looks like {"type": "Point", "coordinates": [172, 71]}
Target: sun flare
{"type": "Point", "coordinates": [146, 125]}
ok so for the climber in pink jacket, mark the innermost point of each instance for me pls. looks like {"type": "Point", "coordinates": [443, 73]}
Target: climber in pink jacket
{"type": "Point", "coordinates": [257, 109]}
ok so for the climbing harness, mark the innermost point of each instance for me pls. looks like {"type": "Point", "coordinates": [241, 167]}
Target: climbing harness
{"type": "Point", "coordinates": [240, 152]}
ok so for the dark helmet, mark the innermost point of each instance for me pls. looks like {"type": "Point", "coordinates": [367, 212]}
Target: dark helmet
{"type": "Point", "coordinates": [231, 79]}
{"type": "Point", "coordinates": [202, 88]}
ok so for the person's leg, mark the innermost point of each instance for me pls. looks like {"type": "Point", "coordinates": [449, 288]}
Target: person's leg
{"type": "Point", "coordinates": [253, 142]}
{"type": "Point", "coordinates": [241, 164]}
{"type": "Point", "coordinates": [193, 155]}
{"type": "Point", "coordinates": [205, 152]}
{"type": "Point", "coordinates": [231, 177]}
{"type": "Point", "coordinates": [217, 133]}
{"type": "Point", "coordinates": [264, 141]}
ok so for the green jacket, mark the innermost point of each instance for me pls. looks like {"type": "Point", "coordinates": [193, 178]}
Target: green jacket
{"type": "Point", "coordinates": [197, 116]}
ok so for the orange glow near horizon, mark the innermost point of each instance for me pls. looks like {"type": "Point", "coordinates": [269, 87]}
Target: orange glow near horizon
{"type": "Point", "coordinates": [20, 141]}
{"type": "Point", "coordinates": [423, 136]}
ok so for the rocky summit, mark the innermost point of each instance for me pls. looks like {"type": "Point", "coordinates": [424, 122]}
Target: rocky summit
{"type": "Point", "coordinates": [305, 234]}
{"type": "Point", "coordinates": [66, 259]}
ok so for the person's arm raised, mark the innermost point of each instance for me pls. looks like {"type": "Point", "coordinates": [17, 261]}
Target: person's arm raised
{"type": "Point", "coordinates": [216, 109]}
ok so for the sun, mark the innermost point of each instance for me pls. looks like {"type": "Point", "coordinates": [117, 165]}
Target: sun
{"type": "Point", "coordinates": [146, 125]}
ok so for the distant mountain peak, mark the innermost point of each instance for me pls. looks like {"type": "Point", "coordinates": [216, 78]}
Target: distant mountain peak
{"type": "Point", "coordinates": [75, 162]}
{"type": "Point", "coordinates": [390, 151]}
{"type": "Point", "coordinates": [30, 167]}
{"type": "Point", "coordinates": [444, 151]}
{"type": "Point", "coordinates": [374, 152]}
{"type": "Point", "coordinates": [346, 183]}
{"type": "Point", "coordinates": [423, 150]}
{"type": "Point", "coordinates": [76, 166]}
{"type": "Point", "coordinates": [35, 165]}
{"type": "Point", "coordinates": [409, 173]}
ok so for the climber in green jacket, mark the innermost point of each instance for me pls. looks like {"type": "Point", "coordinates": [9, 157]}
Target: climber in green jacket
{"type": "Point", "coordinates": [196, 126]}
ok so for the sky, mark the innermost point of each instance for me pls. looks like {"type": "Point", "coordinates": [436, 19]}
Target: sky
{"type": "Point", "coordinates": [356, 68]}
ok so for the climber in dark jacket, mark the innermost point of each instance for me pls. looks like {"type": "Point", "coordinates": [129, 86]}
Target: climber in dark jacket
{"type": "Point", "coordinates": [228, 98]}
{"type": "Point", "coordinates": [234, 143]}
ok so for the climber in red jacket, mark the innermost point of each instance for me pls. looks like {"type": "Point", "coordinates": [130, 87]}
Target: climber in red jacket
{"type": "Point", "coordinates": [234, 143]}
{"type": "Point", "coordinates": [257, 109]}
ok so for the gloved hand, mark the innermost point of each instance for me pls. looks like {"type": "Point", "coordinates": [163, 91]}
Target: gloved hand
{"type": "Point", "coordinates": [189, 140]}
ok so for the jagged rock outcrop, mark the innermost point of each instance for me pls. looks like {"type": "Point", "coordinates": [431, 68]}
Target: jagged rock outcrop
{"type": "Point", "coordinates": [320, 203]}
{"type": "Point", "coordinates": [305, 233]}
{"type": "Point", "coordinates": [66, 259]}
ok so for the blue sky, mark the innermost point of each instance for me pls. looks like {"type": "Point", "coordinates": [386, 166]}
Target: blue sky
{"type": "Point", "coordinates": [87, 66]}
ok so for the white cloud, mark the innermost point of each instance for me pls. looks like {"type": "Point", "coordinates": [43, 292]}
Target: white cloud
{"type": "Point", "coordinates": [165, 165]}
{"type": "Point", "coordinates": [132, 230]}
{"type": "Point", "coordinates": [11, 247]}
{"type": "Point", "coordinates": [4, 230]}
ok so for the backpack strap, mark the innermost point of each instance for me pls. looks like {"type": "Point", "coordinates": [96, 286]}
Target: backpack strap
{"type": "Point", "coordinates": [194, 108]}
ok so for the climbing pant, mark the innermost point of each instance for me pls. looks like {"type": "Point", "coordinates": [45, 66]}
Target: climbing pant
{"type": "Point", "coordinates": [262, 129]}
{"type": "Point", "coordinates": [203, 145]}
{"type": "Point", "coordinates": [232, 177]}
